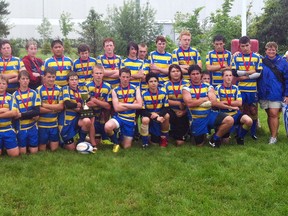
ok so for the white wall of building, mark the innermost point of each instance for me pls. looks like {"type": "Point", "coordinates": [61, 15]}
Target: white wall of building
{"type": "Point", "coordinates": [26, 15]}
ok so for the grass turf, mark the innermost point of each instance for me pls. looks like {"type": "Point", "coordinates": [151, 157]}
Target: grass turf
{"type": "Point", "coordinates": [232, 180]}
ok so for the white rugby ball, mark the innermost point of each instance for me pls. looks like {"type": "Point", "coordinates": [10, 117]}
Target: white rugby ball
{"type": "Point", "coordinates": [84, 148]}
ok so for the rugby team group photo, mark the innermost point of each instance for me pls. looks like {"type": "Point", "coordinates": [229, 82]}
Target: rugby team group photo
{"type": "Point", "coordinates": [151, 97]}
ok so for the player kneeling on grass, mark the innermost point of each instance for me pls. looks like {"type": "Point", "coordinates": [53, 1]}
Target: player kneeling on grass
{"type": "Point", "coordinates": [126, 98]}
{"type": "Point", "coordinates": [69, 119]}
{"type": "Point", "coordinates": [27, 101]}
{"type": "Point", "coordinates": [229, 100]}
{"type": "Point", "coordinates": [8, 138]}
{"type": "Point", "coordinates": [100, 101]}
{"type": "Point", "coordinates": [179, 123]}
{"type": "Point", "coordinates": [155, 117]}
{"type": "Point", "coordinates": [199, 98]}
{"type": "Point", "coordinates": [51, 103]}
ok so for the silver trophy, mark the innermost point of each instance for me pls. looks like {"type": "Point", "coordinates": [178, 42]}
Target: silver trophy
{"type": "Point", "coordinates": [86, 112]}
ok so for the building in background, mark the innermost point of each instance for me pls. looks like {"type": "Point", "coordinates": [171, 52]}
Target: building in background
{"type": "Point", "coordinates": [26, 15]}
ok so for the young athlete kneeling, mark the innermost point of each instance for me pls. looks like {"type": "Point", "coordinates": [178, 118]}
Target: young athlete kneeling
{"type": "Point", "coordinates": [155, 117]}
{"type": "Point", "coordinates": [229, 100]}
{"type": "Point", "coordinates": [27, 101]}
{"type": "Point", "coordinates": [8, 138]}
{"type": "Point", "coordinates": [126, 98]}
{"type": "Point", "coordinates": [69, 120]}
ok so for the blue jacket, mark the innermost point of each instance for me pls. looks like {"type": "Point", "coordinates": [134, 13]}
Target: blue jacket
{"type": "Point", "coordinates": [269, 88]}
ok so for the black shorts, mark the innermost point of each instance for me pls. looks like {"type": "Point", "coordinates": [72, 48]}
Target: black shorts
{"type": "Point", "coordinates": [179, 126]}
{"type": "Point", "coordinates": [219, 119]}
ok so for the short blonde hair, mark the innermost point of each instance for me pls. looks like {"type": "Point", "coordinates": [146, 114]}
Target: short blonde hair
{"type": "Point", "coordinates": [271, 44]}
{"type": "Point", "coordinates": [185, 32]}
{"type": "Point", "coordinates": [98, 68]}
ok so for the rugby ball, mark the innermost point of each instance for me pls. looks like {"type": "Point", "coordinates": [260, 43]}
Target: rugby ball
{"type": "Point", "coordinates": [84, 148]}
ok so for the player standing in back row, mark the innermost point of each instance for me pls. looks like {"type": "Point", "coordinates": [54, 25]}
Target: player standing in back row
{"type": "Point", "coordinates": [185, 55]}
{"type": "Point", "coordinates": [160, 60]}
{"type": "Point", "coordinates": [218, 60]}
{"type": "Point", "coordinates": [247, 67]}
{"type": "Point", "coordinates": [62, 64]}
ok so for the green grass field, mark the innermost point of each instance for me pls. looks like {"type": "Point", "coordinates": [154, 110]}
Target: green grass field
{"type": "Point", "coordinates": [188, 180]}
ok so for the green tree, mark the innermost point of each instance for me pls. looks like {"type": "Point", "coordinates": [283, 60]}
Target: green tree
{"type": "Point", "coordinates": [224, 24]}
{"type": "Point", "coordinates": [4, 28]}
{"type": "Point", "coordinates": [45, 31]}
{"type": "Point", "coordinates": [190, 22]}
{"type": "Point", "coordinates": [132, 22]}
{"type": "Point", "coordinates": [93, 31]}
{"type": "Point", "coordinates": [272, 24]}
{"type": "Point", "coordinates": [66, 26]}
{"type": "Point", "coordinates": [17, 44]}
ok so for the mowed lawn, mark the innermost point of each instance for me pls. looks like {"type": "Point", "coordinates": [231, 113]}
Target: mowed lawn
{"type": "Point", "coordinates": [188, 180]}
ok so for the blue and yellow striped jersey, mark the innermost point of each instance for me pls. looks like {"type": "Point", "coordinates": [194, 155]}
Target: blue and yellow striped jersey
{"type": "Point", "coordinates": [228, 93]}
{"type": "Point", "coordinates": [146, 68]}
{"type": "Point", "coordinates": [126, 95]}
{"type": "Point", "coordinates": [51, 96]}
{"type": "Point", "coordinates": [68, 94]}
{"type": "Point", "coordinates": [6, 101]}
{"type": "Point", "coordinates": [186, 57]}
{"type": "Point", "coordinates": [134, 66]}
{"type": "Point", "coordinates": [102, 92]}
{"type": "Point", "coordinates": [84, 70]}
{"type": "Point", "coordinates": [110, 63]}
{"type": "Point", "coordinates": [174, 91]}
{"type": "Point", "coordinates": [218, 58]}
{"type": "Point", "coordinates": [24, 102]}
{"type": "Point", "coordinates": [62, 65]}
{"type": "Point", "coordinates": [162, 61]}
{"type": "Point", "coordinates": [248, 85]}
{"type": "Point", "coordinates": [198, 91]}
{"type": "Point", "coordinates": [154, 102]}
{"type": "Point", "coordinates": [11, 65]}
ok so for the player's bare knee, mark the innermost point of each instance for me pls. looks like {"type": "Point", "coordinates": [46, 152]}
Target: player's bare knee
{"type": "Point", "coordinates": [228, 120]}
{"type": "Point", "coordinates": [42, 147]}
{"type": "Point", "coordinates": [87, 122]}
{"type": "Point", "coordinates": [13, 152]}
{"type": "Point", "coordinates": [108, 127]}
{"type": "Point", "coordinates": [23, 150]}
{"type": "Point", "coordinates": [54, 146]}
{"type": "Point", "coordinates": [247, 120]}
{"type": "Point", "coordinates": [145, 120]}
{"type": "Point", "coordinates": [167, 116]}
{"type": "Point", "coordinates": [127, 142]}
{"type": "Point", "coordinates": [33, 150]}
{"type": "Point", "coordinates": [70, 147]}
